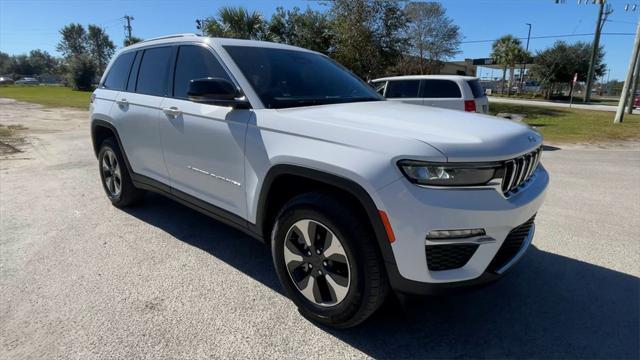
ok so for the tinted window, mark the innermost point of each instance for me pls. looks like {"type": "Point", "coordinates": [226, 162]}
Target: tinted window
{"type": "Point", "coordinates": [133, 75]}
{"type": "Point", "coordinates": [288, 78]}
{"type": "Point", "coordinates": [476, 88]}
{"type": "Point", "coordinates": [195, 62]}
{"type": "Point", "coordinates": [119, 73]}
{"type": "Point", "coordinates": [153, 75]}
{"type": "Point", "coordinates": [379, 86]}
{"type": "Point", "coordinates": [440, 89]}
{"type": "Point", "coordinates": [403, 89]}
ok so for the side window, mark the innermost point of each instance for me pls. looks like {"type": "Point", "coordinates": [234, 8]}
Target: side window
{"type": "Point", "coordinates": [153, 76]}
{"type": "Point", "coordinates": [440, 89]}
{"type": "Point", "coordinates": [195, 62]}
{"type": "Point", "coordinates": [133, 75]}
{"type": "Point", "coordinates": [119, 73]}
{"type": "Point", "coordinates": [403, 89]}
{"type": "Point", "coordinates": [379, 86]}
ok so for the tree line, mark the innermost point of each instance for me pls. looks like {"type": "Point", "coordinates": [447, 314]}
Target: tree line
{"type": "Point", "coordinates": [369, 37]}
{"type": "Point", "coordinates": [85, 55]}
{"type": "Point", "coordinates": [554, 67]}
{"type": "Point", "coordinates": [372, 38]}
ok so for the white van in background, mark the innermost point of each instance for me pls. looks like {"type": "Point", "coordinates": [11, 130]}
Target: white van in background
{"type": "Point", "coordinates": [445, 91]}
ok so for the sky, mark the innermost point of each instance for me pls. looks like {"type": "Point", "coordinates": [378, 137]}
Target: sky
{"type": "Point", "coordinates": [34, 24]}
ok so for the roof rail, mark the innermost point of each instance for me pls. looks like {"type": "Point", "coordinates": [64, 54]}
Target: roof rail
{"type": "Point", "coordinates": [171, 36]}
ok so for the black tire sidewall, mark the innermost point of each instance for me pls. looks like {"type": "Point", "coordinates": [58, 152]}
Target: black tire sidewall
{"type": "Point", "coordinates": [129, 194]}
{"type": "Point", "coordinates": [347, 308]}
{"type": "Point", "coordinates": [109, 145]}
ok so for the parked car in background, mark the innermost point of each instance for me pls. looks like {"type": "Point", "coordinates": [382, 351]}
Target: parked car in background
{"type": "Point", "coordinates": [531, 86]}
{"type": "Point", "coordinates": [636, 101]}
{"type": "Point", "coordinates": [445, 91]}
{"type": "Point", "coordinates": [5, 80]}
{"type": "Point", "coordinates": [28, 81]}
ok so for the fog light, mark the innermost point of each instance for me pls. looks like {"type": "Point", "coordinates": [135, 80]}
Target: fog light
{"type": "Point", "coordinates": [454, 234]}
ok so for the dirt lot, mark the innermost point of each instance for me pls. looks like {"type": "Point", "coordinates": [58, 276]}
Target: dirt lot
{"type": "Point", "coordinates": [82, 279]}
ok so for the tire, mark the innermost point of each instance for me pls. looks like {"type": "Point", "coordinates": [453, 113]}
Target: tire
{"type": "Point", "coordinates": [325, 301]}
{"type": "Point", "coordinates": [115, 177]}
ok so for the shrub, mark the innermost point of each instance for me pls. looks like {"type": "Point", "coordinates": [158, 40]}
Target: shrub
{"type": "Point", "coordinates": [82, 71]}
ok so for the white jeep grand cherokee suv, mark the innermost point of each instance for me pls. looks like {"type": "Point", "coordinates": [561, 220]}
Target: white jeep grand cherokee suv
{"type": "Point", "coordinates": [355, 195]}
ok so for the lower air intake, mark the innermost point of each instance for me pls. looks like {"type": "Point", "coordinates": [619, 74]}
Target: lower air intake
{"type": "Point", "coordinates": [511, 246]}
{"type": "Point", "coordinates": [449, 256]}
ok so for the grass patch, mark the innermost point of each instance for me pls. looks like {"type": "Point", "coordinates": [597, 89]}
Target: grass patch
{"type": "Point", "coordinates": [56, 96]}
{"type": "Point", "coordinates": [574, 125]}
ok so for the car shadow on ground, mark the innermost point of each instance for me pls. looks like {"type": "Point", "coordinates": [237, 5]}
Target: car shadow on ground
{"type": "Point", "coordinates": [550, 306]}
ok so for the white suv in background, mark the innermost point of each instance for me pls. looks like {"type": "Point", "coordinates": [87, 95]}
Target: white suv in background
{"type": "Point", "coordinates": [444, 91]}
{"type": "Point", "coordinates": [354, 195]}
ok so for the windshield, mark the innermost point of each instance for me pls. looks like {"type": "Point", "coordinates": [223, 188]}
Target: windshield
{"type": "Point", "coordinates": [289, 78]}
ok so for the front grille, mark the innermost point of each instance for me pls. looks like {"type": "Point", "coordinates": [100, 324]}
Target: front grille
{"type": "Point", "coordinates": [519, 170]}
{"type": "Point", "coordinates": [511, 246]}
{"type": "Point", "coordinates": [449, 256]}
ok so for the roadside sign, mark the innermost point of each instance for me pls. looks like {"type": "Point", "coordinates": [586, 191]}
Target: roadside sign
{"type": "Point", "coordinates": [575, 78]}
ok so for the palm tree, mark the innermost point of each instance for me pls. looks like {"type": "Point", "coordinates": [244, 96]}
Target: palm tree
{"type": "Point", "coordinates": [237, 22]}
{"type": "Point", "coordinates": [507, 52]}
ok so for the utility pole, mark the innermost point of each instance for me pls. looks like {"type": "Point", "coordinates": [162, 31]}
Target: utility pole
{"type": "Point", "coordinates": [602, 17]}
{"type": "Point", "coordinates": [636, 71]}
{"type": "Point", "coordinates": [127, 27]}
{"type": "Point", "coordinates": [627, 82]}
{"type": "Point", "coordinates": [524, 64]}
{"type": "Point", "coordinates": [634, 85]}
{"type": "Point", "coordinates": [201, 24]}
{"type": "Point", "coordinates": [594, 52]}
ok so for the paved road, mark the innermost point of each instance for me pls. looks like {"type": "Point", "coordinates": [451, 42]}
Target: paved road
{"type": "Point", "coordinates": [82, 279]}
{"type": "Point", "coordinates": [591, 106]}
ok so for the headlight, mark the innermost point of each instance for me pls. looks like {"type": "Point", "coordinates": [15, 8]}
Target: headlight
{"type": "Point", "coordinates": [447, 174]}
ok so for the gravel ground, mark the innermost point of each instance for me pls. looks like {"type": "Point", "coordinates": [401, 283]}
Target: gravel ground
{"type": "Point", "coordinates": [82, 279]}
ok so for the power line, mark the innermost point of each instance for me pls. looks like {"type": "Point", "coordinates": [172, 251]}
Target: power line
{"type": "Point", "coordinates": [551, 37]}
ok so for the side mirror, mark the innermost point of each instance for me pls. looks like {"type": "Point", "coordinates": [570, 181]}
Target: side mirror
{"type": "Point", "coordinates": [216, 91]}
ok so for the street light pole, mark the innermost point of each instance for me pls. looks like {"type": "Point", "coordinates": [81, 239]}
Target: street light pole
{"type": "Point", "coordinates": [524, 64]}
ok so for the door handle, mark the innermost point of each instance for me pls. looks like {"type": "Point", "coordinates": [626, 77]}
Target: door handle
{"type": "Point", "coordinates": [172, 111]}
{"type": "Point", "coordinates": [122, 102]}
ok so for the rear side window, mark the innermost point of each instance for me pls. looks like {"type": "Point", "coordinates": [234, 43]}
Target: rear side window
{"type": "Point", "coordinates": [440, 89]}
{"type": "Point", "coordinates": [195, 62]}
{"type": "Point", "coordinates": [403, 89]}
{"type": "Point", "coordinates": [119, 73]}
{"type": "Point", "coordinates": [153, 76]}
{"type": "Point", "coordinates": [379, 86]}
{"type": "Point", "coordinates": [133, 75]}
{"type": "Point", "coordinates": [476, 88]}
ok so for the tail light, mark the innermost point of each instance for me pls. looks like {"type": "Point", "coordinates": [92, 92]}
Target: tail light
{"type": "Point", "coordinates": [470, 105]}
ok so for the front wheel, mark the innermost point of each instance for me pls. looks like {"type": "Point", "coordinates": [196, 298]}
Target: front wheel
{"type": "Point", "coordinates": [327, 260]}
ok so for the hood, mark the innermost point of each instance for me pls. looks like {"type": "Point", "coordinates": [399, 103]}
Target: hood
{"type": "Point", "coordinates": [460, 136]}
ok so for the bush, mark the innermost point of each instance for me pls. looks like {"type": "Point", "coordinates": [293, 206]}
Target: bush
{"type": "Point", "coordinates": [82, 71]}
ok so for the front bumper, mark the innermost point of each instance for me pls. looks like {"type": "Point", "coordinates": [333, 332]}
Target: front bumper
{"type": "Point", "coordinates": [414, 211]}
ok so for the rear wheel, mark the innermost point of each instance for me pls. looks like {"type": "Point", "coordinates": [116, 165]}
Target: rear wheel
{"type": "Point", "coordinates": [327, 261]}
{"type": "Point", "coordinates": [115, 177]}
